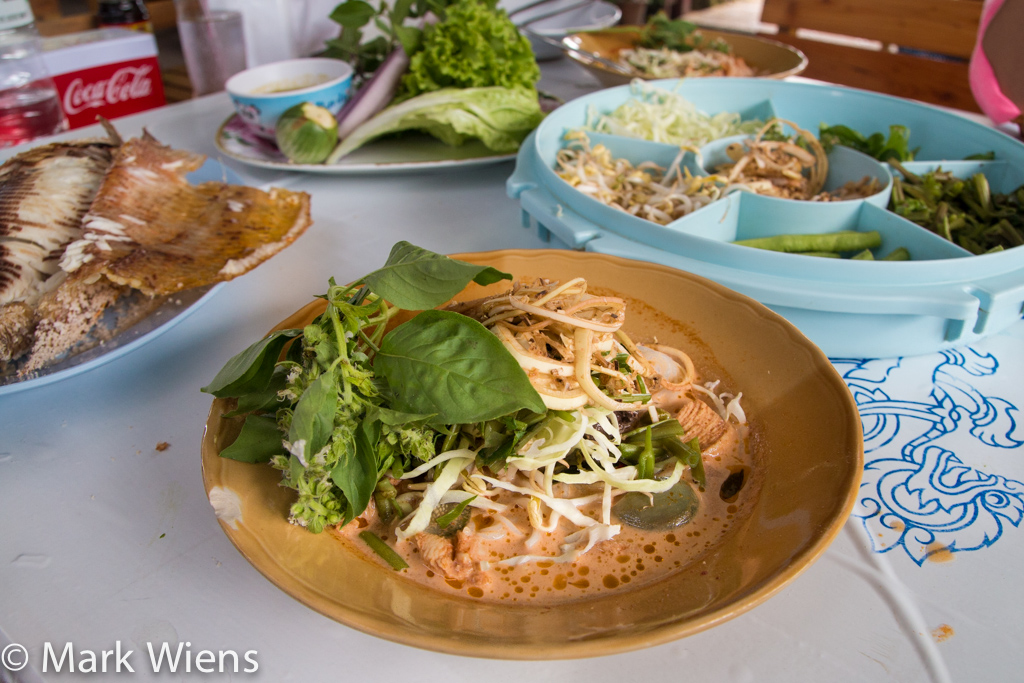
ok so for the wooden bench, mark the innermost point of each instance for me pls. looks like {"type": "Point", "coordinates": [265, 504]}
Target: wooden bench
{"type": "Point", "coordinates": [920, 47]}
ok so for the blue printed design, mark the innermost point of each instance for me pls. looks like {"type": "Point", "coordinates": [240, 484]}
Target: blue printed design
{"type": "Point", "coordinates": [928, 483]}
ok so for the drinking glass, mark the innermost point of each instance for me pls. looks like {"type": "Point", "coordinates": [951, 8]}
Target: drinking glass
{"type": "Point", "coordinates": [213, 43]}
{"type": "Point", "coordinates": [29, 105]}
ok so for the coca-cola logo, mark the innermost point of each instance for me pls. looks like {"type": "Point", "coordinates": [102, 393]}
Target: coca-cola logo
{"type": "Point", "coordinates": [127, 83]}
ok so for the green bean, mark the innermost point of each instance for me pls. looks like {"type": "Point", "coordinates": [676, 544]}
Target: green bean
{"type": "Point", "coordinates": [843, 240]}
{"type": "Point", "coordinates": [688, 453]}
{"type": "Point", "coordinates": [658, 431]}
{"type": "Point", "coordinates": [385, 551]}
{"type": "Point", "coordinates": [898, 254]}
{"type": "Point", "coordinates": [645, 463]}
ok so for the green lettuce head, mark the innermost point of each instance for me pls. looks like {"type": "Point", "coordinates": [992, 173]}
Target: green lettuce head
{"type": "Point", "coordinates": [475, 46]}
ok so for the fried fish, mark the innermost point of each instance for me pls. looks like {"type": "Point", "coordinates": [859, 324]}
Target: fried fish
{"type": "Point", "coordinates": [146, 233]}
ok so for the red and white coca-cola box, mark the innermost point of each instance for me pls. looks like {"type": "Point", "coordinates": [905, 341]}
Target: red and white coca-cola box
{"type": "Point", "coordinates": [109, 72]}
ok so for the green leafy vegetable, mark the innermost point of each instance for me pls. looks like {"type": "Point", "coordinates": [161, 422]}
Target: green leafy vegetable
{"type": "Point", "coordinates": [896, 146]}
{"type": "Point", "coordinates": [680, 35]}
{"type": "Point", "coordinates": [251, 370]}
{"type": "Point", "coordinates": [333, 426]}
{"type": "Point", "coordinates": [677, 34]}
{"type": "Point", "coordinates": [965, 212]}
{"type": "Point", "coordinates": [448, 364]}
{"type": "Point", "coordinates": [356, 473]}
{"type": "Point", "coordinates": [313, 419]}
{"type": "Point", "coordinates": [417, 279]}
{"type": "Point", "coordinates": [499, 117]}
{"type": "Point", "coordinates": [386, 23]}
{"type": "Point", "coordinates": [266, 400]}
{"type": "Point", "coordinates": [475, 46]}
{"type": "Point", "coordinates": [259, 441]}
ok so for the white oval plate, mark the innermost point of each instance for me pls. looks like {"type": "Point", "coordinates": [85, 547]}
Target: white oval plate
{"type": "Point", "coordinates": [411, 152]}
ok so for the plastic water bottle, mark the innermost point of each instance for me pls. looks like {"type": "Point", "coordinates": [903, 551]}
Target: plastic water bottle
{"type": "Point", "coordinates": [29, 104]}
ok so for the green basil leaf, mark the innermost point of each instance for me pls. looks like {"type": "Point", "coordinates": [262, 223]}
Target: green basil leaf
{"type": "Point", "coordinates": [353, 13]}
{"type": "Point", "coordinates": [263, 401]}
{"type": "Point", "coordinates": [259, 441]}
{"type": "Point", "coordinates": [410, 37]}
{"type": "Point", "coordinates": [356, 471]}
{"type": "Point", "coordinates": [416, 279]}
{"type": "Point", "coordinates": [250, 371]}
{"type": "Point", "coordinates": [450, 365]}
{"type": "Point", "coordinates": [313, 419]}
{"type": "Point", "coordinates": [394, 418]}
{"type": "Point", "coordinates": [400, 11]}
{"type": "Point", "coordinates": [296, 470]}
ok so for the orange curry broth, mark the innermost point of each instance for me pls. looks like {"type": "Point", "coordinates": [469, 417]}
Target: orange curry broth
{"type": "Point", "coordinates": [630, 559]}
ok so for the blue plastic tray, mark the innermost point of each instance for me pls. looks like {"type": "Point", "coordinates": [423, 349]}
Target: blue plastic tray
{"type": "Point", "coordinates": [944, 297]}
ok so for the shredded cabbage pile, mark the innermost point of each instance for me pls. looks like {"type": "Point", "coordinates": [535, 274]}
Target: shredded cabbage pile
{"type": "Point", "coordinates": [661, 115]}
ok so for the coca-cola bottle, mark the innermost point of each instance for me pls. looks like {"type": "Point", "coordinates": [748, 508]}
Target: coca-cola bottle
{"type": "Point", "coordinates": [124, 14]}
{"type": "Point", "coordinates": [29, 104]}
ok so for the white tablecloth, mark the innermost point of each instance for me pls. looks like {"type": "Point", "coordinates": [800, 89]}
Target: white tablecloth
{"type": "Point", "coordinates": [105, 538]}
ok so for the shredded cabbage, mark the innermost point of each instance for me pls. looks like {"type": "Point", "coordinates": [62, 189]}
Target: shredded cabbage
{"type": "Point", "coordinates": [435, 491]}
{"type": "Point", "coordinates": [551, 440]}
{"type": "Point", "coordinates": [661, 115]}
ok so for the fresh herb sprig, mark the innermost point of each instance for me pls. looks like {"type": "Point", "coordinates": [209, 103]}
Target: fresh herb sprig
{"type": "Point", "coordinates": [678, 35]}
{"type": "Point", "coordinates": [354, 402]}
{"type": "Point", "coordinates": [389, 20]}
{"type": "Point", "coordinates": [894, 147]}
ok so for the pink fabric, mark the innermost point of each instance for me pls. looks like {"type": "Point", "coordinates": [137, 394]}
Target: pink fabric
{"type": "Point", "coordinates": [984, 85]}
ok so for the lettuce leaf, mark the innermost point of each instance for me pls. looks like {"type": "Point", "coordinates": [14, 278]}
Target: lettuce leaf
{"type": "Point", "coordinates": [475, 46]}
{"type": "Point", "coordinates": [500, 117]}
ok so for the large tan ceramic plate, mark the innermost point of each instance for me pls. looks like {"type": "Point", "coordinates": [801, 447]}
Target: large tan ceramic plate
{"type": "Point", "coordinates": [808, 458]}
{"type": "Point", "coordinates": [770, 58]}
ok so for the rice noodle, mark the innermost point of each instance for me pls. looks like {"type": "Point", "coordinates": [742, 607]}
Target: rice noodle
{"type": "Point", "coordinates": [567, 468]}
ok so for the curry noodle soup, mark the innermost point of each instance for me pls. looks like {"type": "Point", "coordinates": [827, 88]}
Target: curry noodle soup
{"type": "Point", "coordinates": [779, 483]}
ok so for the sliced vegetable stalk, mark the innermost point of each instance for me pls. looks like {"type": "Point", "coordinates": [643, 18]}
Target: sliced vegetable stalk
{"type": "Point", "coordinates": [375, 95]}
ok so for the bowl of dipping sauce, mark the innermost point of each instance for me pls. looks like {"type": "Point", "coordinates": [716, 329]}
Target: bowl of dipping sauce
{"type": "Point", "coordinates": [263, 93]}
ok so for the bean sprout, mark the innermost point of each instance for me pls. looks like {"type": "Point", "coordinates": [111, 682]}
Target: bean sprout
{"type": "Point", "coordinates": [646, 190]}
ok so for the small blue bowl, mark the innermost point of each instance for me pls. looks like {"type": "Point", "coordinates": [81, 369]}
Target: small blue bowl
{"type": "Point", "coordinates": [263, 93]}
